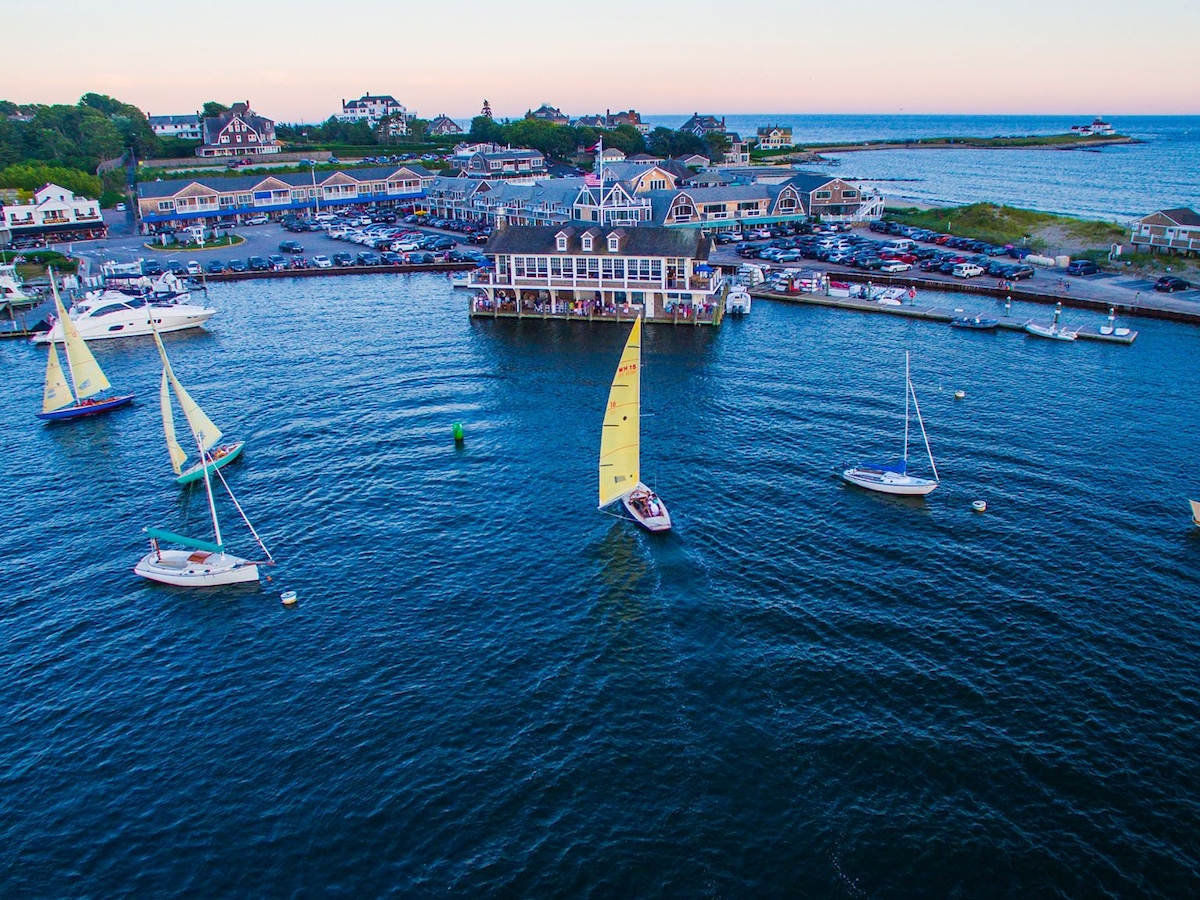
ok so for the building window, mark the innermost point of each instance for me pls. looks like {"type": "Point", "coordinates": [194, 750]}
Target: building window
{"type": "Point", "coordinates": [587, 243]}
{"type": "Point", "coordinates": [658, 184]}
{"type": "Point", "coordinates": [614, 243]}
{"type": "Point", "coordinates": [561, 244]}
{"type": "Point", "coordinates": [823, 195]}
{"type": "Point", "coordinates": [849, 195]}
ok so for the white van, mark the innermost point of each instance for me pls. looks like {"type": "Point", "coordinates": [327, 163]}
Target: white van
{"type": "Point", "coordinates": [967, 270]}
{"type": "Point", "coordinates": [900, 245]}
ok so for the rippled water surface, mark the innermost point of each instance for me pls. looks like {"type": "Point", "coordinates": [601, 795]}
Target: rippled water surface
{"type": "Point", "coordinates": [491, 689]}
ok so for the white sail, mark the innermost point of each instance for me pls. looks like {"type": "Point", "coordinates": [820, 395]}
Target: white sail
{"type": "Point", "coordinates": [178, 456]}
{"type": "Point", "coordinates": [57, 393]}
{"type": "Point", "coordinates": [86, 374]}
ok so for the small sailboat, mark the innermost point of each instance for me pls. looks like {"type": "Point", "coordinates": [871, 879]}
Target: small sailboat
{"type": "Point", "coordinates": [892, 477]}
{"type": "Point", "coordinates": [79, 398]}
{"type": "Point", "coordinates": [620, 442]}
{"type": "Point", "coordinates": [207, 433]}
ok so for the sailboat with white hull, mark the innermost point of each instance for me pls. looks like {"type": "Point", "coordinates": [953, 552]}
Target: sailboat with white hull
{"type": "Point", "coordinates": [80, 397]}
{"type": "Point", "coordinates": [892, 477]}
{"type": "Point", "coordinates": [205, 563]}
{"type": "Point", "coordinates": [213, 456]}
{"type": "Point", "coordinates": [620, 442]}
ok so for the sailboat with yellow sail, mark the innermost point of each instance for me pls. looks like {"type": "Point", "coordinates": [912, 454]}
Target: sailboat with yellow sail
{"type": "Point", "coordinates": [621, 439]}
{"type": "Point", "coordinates": [74, 394]}
{"type": "Point", "coordinates": [213, 456]}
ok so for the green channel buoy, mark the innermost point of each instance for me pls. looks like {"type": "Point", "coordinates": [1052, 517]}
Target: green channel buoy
{"type": "Point", "coordinates": [458, 432]}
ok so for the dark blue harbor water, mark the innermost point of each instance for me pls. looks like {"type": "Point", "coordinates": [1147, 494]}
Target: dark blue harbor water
{"type": "Point", "coordinates": [490, 689]}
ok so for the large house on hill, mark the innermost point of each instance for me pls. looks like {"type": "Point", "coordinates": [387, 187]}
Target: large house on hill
{"type": "Point", "coordinates": [239, 131]}
{"type": "Point", "coordinates": [701, 125]}
{"type": "Point", "coordinates": [774, 137]}
{"type": "Point", "coordinates": [186, 128]}
{"type": "Point", "coordinates": [549, 114]}
{"type": "Point", "coordinates": [374, 109]}
{"type": "Point", "coordinates": [444, 125]}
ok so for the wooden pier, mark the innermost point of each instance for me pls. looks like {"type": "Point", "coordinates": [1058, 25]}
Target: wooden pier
{"type": "Point", "coordinates": [931, 314]}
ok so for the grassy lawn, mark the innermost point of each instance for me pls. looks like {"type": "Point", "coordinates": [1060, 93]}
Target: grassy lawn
{"type": "Point", "coordinates": [1009, 225]}
{"type": "Point", "coordinates": [228, 240]}
{"type": "Point", "coordinates": [34, 262]}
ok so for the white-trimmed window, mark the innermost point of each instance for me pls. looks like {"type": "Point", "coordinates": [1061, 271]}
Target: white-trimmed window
{"type": "Point", "coordinates": [586, 242]}
{"type": "Point", "coordinates": [823, 195]}
{"type": "Point", "coordinates": [614, 243]}
{"type": "Point", "coordinates": [561, 243]}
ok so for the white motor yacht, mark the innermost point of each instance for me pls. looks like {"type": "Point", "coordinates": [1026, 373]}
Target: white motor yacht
{"type": "Point", "coordinates": [113, 314]}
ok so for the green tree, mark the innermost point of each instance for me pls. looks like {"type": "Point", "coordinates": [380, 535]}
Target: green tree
{"type": "Point", "coordinates": [212, 109]}
{"type": "Point", "coordinates": [486, 130]}
{"type": "Point", "coordinates": [30, 177]}
{"type": "Point", "coordinates": [625, 138]}
{"type": "Point", "coordinates": [717, 143]}
{"type": "Point", "coordinates": [667, 143]}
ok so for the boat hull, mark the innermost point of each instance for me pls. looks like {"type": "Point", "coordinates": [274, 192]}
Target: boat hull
{"type": "Point", "coordinates": [889, 482]}
{"type": "Point", "coordinates": [196, 472]}
{"type": "Point", "coordinates": [188, 568]}
{"type": "Point", "coordinates": [170, 318]}
{"type": "Point", "coordinates": [90, 409]}
{"type": "Point", "coordinates": [1051, 333]}
{"type": "Point", "coordinates": [641, 515]}
{"type": "Point", "coordinates": [975, 323]}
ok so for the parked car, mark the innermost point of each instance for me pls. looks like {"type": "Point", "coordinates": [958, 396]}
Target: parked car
{"type": "Point", "coordinates": [120, 207]}
{"type": "Point", "coordinates": [366, 258]}
{"type": "Point", "coordinates": [193, 267]}
{"type": "Point", "coordinates": [151, 267]}
{"type": "Point", "coordinates": [298, 262]}
{"type": "Point", "coordinates": [343, 259]}
{"type": "Point", "coordinates": [174, 266]}
{"type": "Point", "coordinates": [1169, 284]}
{"type": "Point", "coordinates": [1082, 267]}
{"type": "Point", "coordinates": [259, 264]}
{"type": "Point", "coordinates": [216, 267]}
{"type": "Point", "coordinates": [290, 247]}
{"type": "Point", "coordinates": [321, 261]}
{"type": "Point", "coordinates": [278, 262]}
{"type": "Point", "coordinates": [966, 270]}
{"type": "Point", "coordinates": [260, 219]}
{"type": "Point", "coordinates": [237, 266]}
{"type": "Point", "coordinates": [894, 265]}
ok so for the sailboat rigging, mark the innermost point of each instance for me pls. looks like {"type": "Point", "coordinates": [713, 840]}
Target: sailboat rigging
{"type": "Point", "coordinates": [79, 397]}
{"type": "Point", "coordinates": [892, 477]}
{"type": "Point", "coordinates": [206, 563]}
{"type": "Point", "coordinates": [620, 442]}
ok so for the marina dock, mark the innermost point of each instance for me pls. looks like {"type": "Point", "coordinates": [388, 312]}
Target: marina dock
{"type": "Point", "coordinates": [929, 313]}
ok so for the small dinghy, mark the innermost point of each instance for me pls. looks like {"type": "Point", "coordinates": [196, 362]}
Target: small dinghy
{"type": "Point", "coordinates": [1050, 332]}
{"type": "Point", "coordinates": [976, 322]}
{"type": "Point", "coordinates": [1195, 512]}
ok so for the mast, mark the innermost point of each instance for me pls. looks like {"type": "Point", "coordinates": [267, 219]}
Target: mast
{"type": "Point", "coordinates": [600, 144]}
{"type": "Point", "coordinates": [907, 389]}
{"type": "Point", "coordinates": [212, 506]}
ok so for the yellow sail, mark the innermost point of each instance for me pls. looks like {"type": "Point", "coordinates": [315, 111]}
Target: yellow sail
{"type": "Point", "coordinates": [178, 457]}
{"type": "Point", "coordinates": [202, 427]}
{"type": "Point", "coordinates": [86, 373]}
{"type": "Point", "coordinates": [57, 392]}
{"type": "Point", "coordinates": [620, 438]}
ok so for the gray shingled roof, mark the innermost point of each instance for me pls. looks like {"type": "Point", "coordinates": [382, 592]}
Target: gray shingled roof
{"type": "Point", "coordinates": [1183, 215]}
{"type": "Point", "coordinates": [226, 184]}
{"type": "Point", "coordinates": [641, 241]}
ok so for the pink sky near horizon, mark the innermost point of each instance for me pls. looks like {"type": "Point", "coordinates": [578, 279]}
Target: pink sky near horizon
{"type": "Point", "coordinates": [291, 61]}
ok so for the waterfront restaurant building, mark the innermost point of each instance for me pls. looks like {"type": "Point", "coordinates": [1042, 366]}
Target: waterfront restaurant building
{"type": "Point", "coordinates": [228, 201]}
{"type": "Point", "coordinates": [55, 215]}
{"type": "Point", "coordinates": [605, 273]}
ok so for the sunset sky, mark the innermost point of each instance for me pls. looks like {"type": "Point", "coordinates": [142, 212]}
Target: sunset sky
{"type": "Point", "coordinates": [296, 61]}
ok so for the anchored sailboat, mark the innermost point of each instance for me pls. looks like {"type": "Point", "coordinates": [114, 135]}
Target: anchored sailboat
{"type": "Point", "coordinates": [61, 400]}
{"type": "Point", "coordinates": [207, 433]}
{"type": "Point", "coordinates": [620, 442]}
{"type": "Point", "coordinates": [892, 477]}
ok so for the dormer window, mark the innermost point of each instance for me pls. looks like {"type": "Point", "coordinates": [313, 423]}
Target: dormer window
{"type": "Point", "coordinates": [587, 243]}
{"type": "Point", "coordinates": [561, 244]}
{"type": "Point", "coordinates": [614, 243]}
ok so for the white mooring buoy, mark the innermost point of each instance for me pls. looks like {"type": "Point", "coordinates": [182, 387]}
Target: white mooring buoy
{"type": "Point", "coordinates": [979, 506]}
{"type": "Point", "coordinates": [288, 598]}
{"type": "Point", "coordinates": [958, 395]}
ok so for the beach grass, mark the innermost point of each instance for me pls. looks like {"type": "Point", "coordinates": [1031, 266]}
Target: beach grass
{"type": "Point", "coordinates": [1011, 225]}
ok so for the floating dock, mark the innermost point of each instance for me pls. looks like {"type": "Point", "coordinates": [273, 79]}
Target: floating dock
{"type": "Point", "coordinates": [931, 314]}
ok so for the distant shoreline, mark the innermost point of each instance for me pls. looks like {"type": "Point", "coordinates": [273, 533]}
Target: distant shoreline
{"type": "Point", "coordinates": [1032, 142]}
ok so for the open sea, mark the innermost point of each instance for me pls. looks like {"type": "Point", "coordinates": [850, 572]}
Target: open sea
{"type": "Point", "coordinates": [1117, 183]}
{"type": "Point", "coordinates": [491, 689]}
